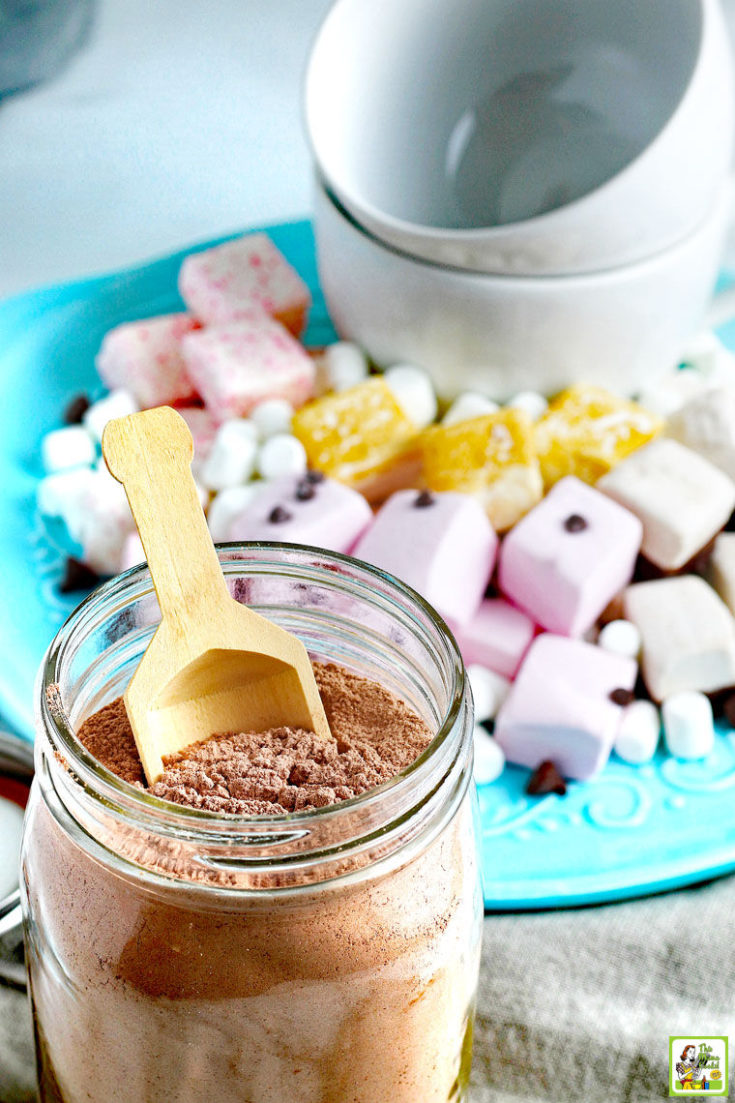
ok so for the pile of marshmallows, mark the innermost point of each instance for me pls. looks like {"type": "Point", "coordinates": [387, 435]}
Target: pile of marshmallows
{"type": "Point", "coordinates": [298, 447]}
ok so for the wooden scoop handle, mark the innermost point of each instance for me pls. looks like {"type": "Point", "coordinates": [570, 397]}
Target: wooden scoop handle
{"type": "Point", "coordinates": [150, 454]}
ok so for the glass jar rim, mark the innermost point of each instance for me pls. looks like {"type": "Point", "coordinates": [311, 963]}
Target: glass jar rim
{"type": "Point", "coordinates": [137, 582]}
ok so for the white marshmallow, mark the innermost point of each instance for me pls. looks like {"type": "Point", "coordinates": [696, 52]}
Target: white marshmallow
{"type": "Point", "coordinates": [468, 405]}
{"type": "Point", "coordinates": [489, 760]}
{"type": "Point", "coordinates": [59, 494]}
{"type": "Point", "coordinates": [414, 392]}
{"type": "Point", "coordinates": [102, 523]}
{"type": "Point", "coordinates": [621, 637]}
{"type": "Point", "coordinates": [103, 538]}
{"type": "Point", "coordinates": [117, 403]}
{"type": "Point", "coordinates": [343, 365]}
{"type": "Point", "coordinates": [534, 404]}
{"type": "Point", "coordinates": [231, 460]}
{"type": "Point", "coordinates": [106, 489]}
{"type": "Point", "coordinates": [669, 393]}
{"type": "Point", "coordinates": [271, 417]}
{"type": "Point", "coordinates": [489, 690]}
{"type": "Point", "coordinates": [707, 354]}
{"type": "Point", "coordinates": [638, 734]}
{"type": "Point", "coordinates": [281, 455]}
{"type": "Point", "coordinates": [688, 635]}
{"type": "Point", "coordinates": [706, 424]}
{"type": "Point", "coordinates": [68, 447]}
{"type": "Point", "coordinates": [682, 499]}
{"type": "Point", "coordinates": [688, 725]}
{"type": "Point", "coordinates": [227, 505]}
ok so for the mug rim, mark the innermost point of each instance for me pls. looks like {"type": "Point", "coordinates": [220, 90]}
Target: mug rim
{"type": "Point", "coordinates": [557, 218]}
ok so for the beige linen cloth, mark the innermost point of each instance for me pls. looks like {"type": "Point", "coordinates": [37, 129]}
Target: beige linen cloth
{"type": "Point", "coordinates": [573, 1005]}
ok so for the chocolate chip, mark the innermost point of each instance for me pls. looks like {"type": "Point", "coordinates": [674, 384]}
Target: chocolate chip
{"type": "Point", "coordinates": [546, 779]}
{"type": "Point", "coordinates": [423, 499]}
{"type": "Point", "coordinates": [315, 477]}
{"type": "Point", "coordinates": [728, 709]}
{"type": "Point", "coordinates": [305, 490]}
{"type": "Point", "coordinates": [622, 697]}
{"type": "Point", "coordinates": [76, 410]}
{"type": "Point", "coordinates": [575, 523]}
{"type": "Point", "coordinates": [278, 515]}
{"type": "Point", "coordinates": [77, 576]}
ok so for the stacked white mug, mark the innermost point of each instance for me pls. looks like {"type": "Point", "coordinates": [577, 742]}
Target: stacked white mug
{"type": "Point", "coordinates": [518, 194]}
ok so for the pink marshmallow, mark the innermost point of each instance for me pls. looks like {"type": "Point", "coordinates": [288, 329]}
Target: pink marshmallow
{"type": "Point", "coordinates": [559, 706]}
{"type": "Point", "coordinates": [202, 427]}
{"type": "Point", "coordinates": [145, 359]}
{"type": "Point", "coordinates": [236, 366]}
{"type": "Point", "coordinates": [226, 283]}
{"type": "Point", "coordinates": [445, 549]}
{"type": "Point", "coordinates": [497, 637]}
{"type": "Point", "coordinates": [132, 552]}
{"type": "Point", "coordinates": [567, 558]}
{"type": "Point", "coordinates": [333, 518]}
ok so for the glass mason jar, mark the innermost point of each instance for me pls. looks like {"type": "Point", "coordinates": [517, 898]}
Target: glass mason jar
{"type": "Point", "coordinates": [318, 957]}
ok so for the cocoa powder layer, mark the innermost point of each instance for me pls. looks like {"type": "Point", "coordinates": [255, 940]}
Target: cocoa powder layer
{"type": "Point", "coordinates": [375, 735]}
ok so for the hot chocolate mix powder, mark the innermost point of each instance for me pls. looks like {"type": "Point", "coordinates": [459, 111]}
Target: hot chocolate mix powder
{"type": "Point", "coordinates": [375, 735]}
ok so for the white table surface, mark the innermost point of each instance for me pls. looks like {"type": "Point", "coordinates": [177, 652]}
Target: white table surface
{"type": "Point", "coordinates": [178, 121]}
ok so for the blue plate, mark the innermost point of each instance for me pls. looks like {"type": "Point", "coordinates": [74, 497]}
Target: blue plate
{"type": "Point", "coordinates": [630, 832]}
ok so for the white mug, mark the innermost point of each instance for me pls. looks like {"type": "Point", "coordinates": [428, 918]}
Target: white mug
{"type": "Point", "coordinates": [500, 335]}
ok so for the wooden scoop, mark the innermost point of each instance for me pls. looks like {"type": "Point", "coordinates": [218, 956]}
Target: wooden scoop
{"type": "Point", "coordinates": [213, 665]}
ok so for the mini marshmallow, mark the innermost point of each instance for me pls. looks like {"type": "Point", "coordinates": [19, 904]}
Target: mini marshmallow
{"type": "Point", "coordinates": [489, 760]}
{"type": "Point", "coordinates": [236, 366]}
{"type": "Point", "coordinates": [638, 734]}
{"type": "Point", "coordinates": [414, 393]}
{"type": "Point", "coordinates": [565, 560]}
{"type": "Point", "coordinates": [532, 402]}
{"type": "Point", "coordinates": [497, 637]}
{"type": "Point", "coordinates": [294, 510]}
{"type": "Point", "coordinates": [621, 637]}
{"type": "Point", "coordinates": [468, 405]}
{"type": "Point", "coordinates": [281, 455]}
{"type": "Point", "coordinates": [687, 634]}
{"type": "Point", "coordinates": [344, 365]}
{"type": "Point", "coordinates": [229, 504]}
{"type": "Point", "coordinates": [681, 498]}
{"type": "Point", "coordinates": [69, 447]}
{"type": "Point", "coordinates": [102, 523]}
{"type": "Point", "coordinates": [231, 281]}
{"type": "Point", "coordinates": [231, 460]}
{"type": "Point", "coordinates": [441, 544]}
{"type": "Point", "coordinates": [560, 706]}
{"type": "Point", "coordinates": [62, 494]}
{"type": "Point", "coordinates": [271, 417]}
{"type": "Point", "coordinates": [118, 403]}
{"type": "Point", "coordinates": [489, 690]}
{"type": "Point", "coordinates": [707, 354]}
{"type": "Point", "coordinates": [706, 424]}
{"type": "Point", "coordinates": [688, 725]}
{"type": "Point", "coordinates": [721, 568]}
{"type": "Point", "coordinates": [669, 393]}
{"type": "Point", "coordinates": [145, 359]}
